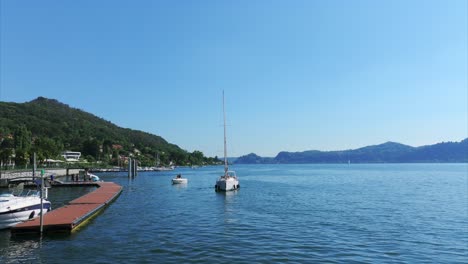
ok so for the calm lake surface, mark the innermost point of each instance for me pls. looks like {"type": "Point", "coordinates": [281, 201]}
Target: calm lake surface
{"type": "Point", "coordinates": [398, 213]}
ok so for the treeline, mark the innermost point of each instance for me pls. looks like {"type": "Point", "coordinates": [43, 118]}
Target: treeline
{"type": "Point", "coordinates": [48, 127]}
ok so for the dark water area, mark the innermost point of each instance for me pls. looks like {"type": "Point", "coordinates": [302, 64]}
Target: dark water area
{"type": "Point", "coordinates": [379, 213]}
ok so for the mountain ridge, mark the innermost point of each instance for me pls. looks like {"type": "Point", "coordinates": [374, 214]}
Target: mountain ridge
{"type": "Point", "coordinates": [388, 152]}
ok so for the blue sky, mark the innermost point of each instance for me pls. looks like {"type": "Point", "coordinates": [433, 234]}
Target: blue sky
{"type": "Point", "coordinates": [298, 75]}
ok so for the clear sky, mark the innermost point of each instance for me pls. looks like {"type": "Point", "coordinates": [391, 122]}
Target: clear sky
{"type": "Point", "coordinates": [298, 75]}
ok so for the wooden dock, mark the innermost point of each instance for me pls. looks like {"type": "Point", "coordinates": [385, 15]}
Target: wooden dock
{"type": "Point", "coordinates": [68, 218]}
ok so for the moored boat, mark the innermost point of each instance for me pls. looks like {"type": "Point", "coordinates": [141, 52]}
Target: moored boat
{"type": "Point", "coordinates": [94, 178]}
{"type": "Point", "coordinates": [167, 168]}
{"type": "Point", "coordinates": [17, 208]}
{"type": "Point", "coordinates": [228, 181]}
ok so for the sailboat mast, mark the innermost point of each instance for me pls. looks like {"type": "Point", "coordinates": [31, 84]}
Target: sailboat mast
{"type": "Point", "coordinates": [225, 150]}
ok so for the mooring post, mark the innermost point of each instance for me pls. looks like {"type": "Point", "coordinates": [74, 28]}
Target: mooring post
{"type": "Point", "coordinates": [129, 167]}
{"type": "Point", "coordinates": [42, 204]}
{"type": "Point", "coordinates": [136, 167]}
{"type": "Point", "coordinates": [34, 166]}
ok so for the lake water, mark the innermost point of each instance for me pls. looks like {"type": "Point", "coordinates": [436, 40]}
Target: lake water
{"type": "Point", "coordinates": [398, 213]}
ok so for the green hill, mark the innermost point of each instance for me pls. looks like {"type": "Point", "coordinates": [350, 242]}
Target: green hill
{"type": "Point", "coordinates": [48, 127]}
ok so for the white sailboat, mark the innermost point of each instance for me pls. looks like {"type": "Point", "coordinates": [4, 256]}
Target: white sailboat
{"type": "Point", "coordinates": [228, 181]}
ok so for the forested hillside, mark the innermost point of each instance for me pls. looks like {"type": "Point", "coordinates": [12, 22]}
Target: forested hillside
{"type": "Point", "coordinates": [48, 127]}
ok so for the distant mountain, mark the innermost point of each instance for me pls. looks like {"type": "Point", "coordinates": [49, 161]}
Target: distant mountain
{"type": "Point", "coordinates": [389, 152]}
{"type": "Point", "coordinates": [253, 159]}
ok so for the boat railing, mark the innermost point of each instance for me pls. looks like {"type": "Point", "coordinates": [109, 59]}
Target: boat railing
{"type": "Point", "coordinates": [231, 174]}
{"type": "Point", "coordinates": [33, 193]}
{"type": "Point", "coordinates": [26, 193]}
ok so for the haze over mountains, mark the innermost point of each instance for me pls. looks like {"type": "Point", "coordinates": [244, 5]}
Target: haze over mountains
{"type": "Point", "coordinates": [389, 152]}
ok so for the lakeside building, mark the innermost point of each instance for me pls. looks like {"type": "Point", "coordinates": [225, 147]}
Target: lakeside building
{"type": "Point", "coordinates": [71, 156]}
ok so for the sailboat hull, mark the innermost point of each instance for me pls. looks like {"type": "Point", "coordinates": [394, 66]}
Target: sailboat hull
{"type": "Point", "coordinates": [227, 184]}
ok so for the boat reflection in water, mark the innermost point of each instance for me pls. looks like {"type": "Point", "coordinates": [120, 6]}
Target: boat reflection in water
{"type": "Point", "coordinates": [19, 248]}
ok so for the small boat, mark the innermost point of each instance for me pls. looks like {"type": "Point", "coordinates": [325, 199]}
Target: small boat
{"type": "Point", "coordinates": [166, 168]}
{"type": "Point", "coordinates": [17, 207]}
{"type": "Point", "coordinates": [94, 178]}
{"type": "Point", "coordinates": [179, 180]}
{"type": "Point", "coordinates": [228, 181]}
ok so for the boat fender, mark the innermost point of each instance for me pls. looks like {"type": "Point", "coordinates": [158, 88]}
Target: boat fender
{"type": "Point", "coordinates": [238, 186]}
{"type": "Point", "coordinates": [31, 215]}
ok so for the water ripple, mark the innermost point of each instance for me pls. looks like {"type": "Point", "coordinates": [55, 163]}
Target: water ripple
{"type": "Point", "coordinates": [282, 214]}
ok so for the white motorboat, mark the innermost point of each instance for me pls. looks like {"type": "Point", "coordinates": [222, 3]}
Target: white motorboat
{"type": "Point", "coordinates": [94, 178]}
{"type": "Point", "coordinates": [179, 180]}
{"type": "Point", "coordinates": [17, 208]}
{"type": "Point", "coordinates": [228, 181]}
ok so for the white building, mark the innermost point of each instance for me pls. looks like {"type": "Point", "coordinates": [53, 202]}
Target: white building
{"type": "Point", "coordinates": [71, 155]}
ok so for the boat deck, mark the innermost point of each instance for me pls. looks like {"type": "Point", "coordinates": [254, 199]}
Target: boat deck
{"type": "Point", "coordinates": [68, 218]}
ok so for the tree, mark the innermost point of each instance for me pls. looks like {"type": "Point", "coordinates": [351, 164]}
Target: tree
{"type": "Point", "coordinates": [22, 143]}
{"type": "Point", "coordinates": [91, 147]}
{"type": "Point", "coordinates": [179, 157]}
{"type": "Point", "coordinates": [6, 151]}
{"type": "Point", "coordinates": [196, 158]}
{"type": "Point", "coordinates": [45, 148]}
